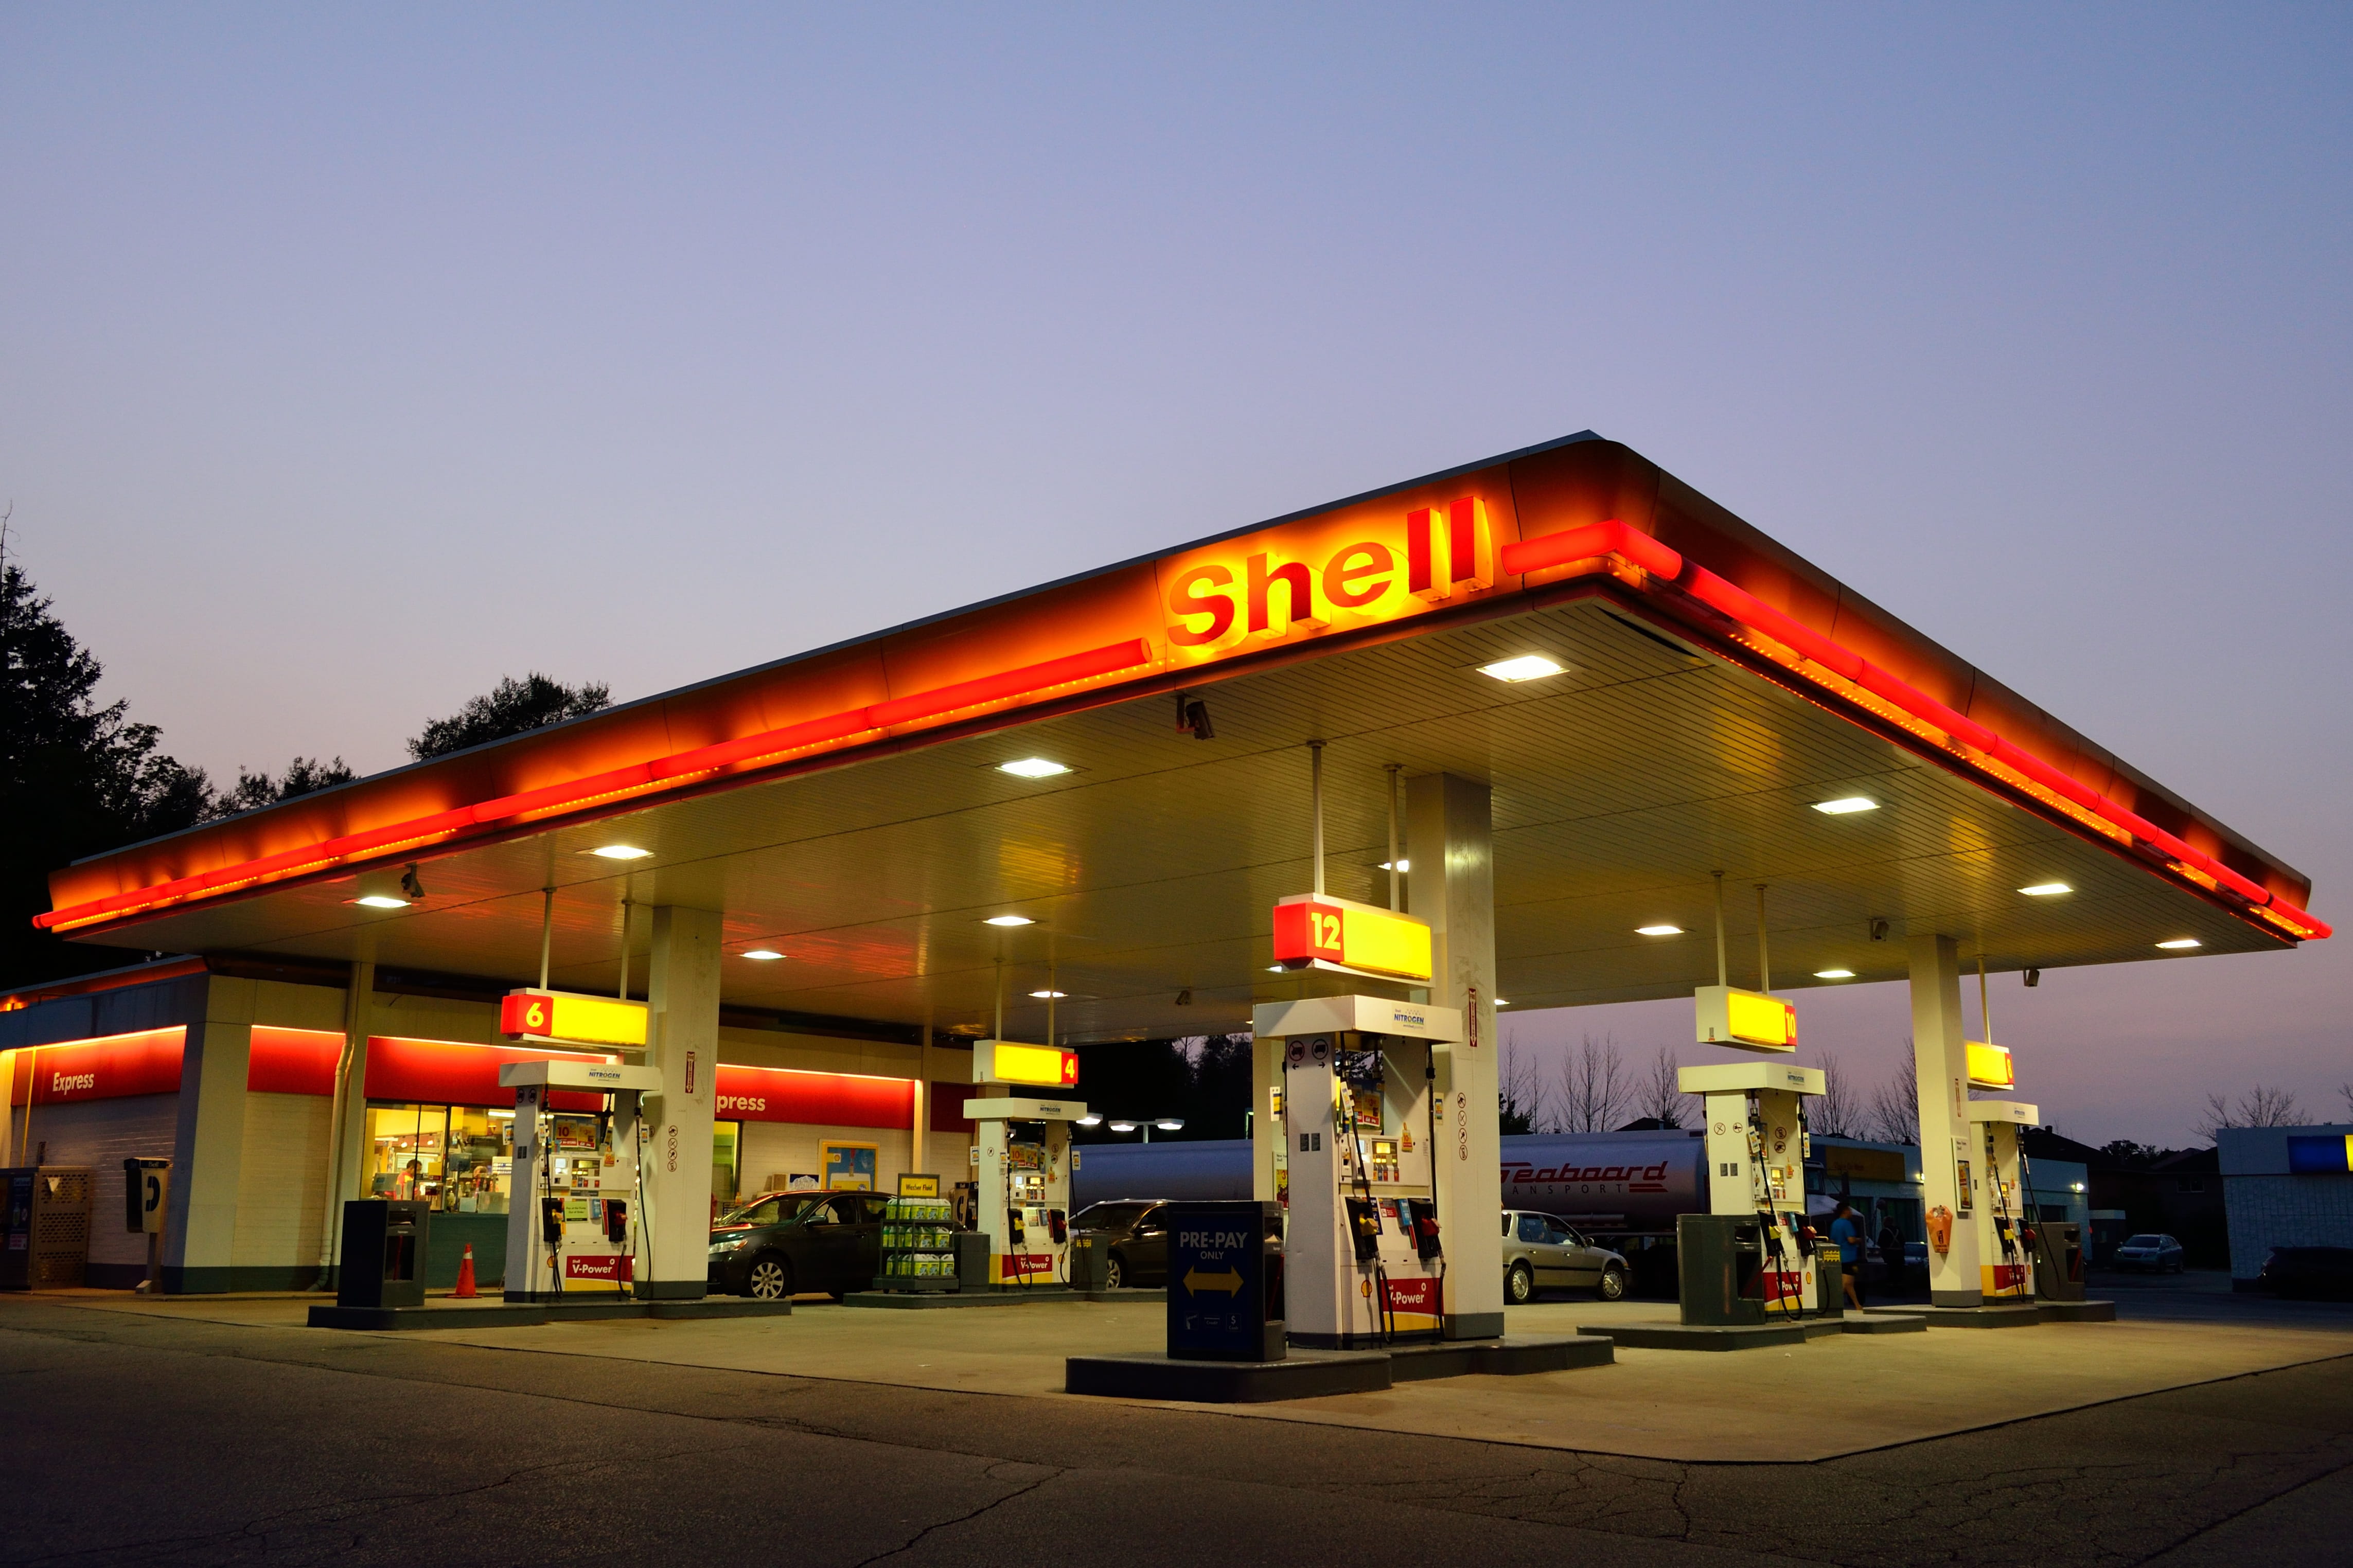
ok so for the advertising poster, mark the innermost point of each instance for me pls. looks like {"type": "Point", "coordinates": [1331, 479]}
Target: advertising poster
{"type": "Point", "coordinates": [848, 1167]}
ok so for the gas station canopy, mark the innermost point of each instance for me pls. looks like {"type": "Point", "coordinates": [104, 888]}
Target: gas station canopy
{"type": "Point", "coordinates": [1656, 692]}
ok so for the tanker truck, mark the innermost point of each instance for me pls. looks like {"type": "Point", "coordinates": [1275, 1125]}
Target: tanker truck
{"type": "Point", "coordinates": [1622, 1189]}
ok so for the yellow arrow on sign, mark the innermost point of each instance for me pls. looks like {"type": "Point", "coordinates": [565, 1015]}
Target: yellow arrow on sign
{"type": "Point", "coordinates": [1230, 1281]}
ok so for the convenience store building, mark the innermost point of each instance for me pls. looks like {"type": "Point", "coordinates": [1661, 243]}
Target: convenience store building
{"type": "Point", "coordinates": [1068, 814]}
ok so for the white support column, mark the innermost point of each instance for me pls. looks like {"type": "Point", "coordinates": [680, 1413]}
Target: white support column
{"type": "Point", "coordinates": [1940, 1054]}
{"type": "Point", "coordinates": [1266, 1130]}
{"type": "Point", "coordinates": [682, 997]}
{"type": "Point", "coordinates": [347, 1138]}
{"type": "Point", "coordinates": [209, 1150]}
{"type": "Point", "coordinates": [1449, 844]}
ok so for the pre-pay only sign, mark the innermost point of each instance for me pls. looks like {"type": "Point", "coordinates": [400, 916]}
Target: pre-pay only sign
{"type": "Point", "coordinates": [1222, 1305]}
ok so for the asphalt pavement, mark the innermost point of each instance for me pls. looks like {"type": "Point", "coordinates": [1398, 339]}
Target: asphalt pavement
{"type": "Point", "coordinates": [140, 1439]}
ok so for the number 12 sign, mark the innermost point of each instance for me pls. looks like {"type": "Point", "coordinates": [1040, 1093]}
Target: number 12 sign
{"type": "Point", "coordinates": [1358, 938]}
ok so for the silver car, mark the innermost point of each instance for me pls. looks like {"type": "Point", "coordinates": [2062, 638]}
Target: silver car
{"type": "Point", "coordinates": [1543, 1252]}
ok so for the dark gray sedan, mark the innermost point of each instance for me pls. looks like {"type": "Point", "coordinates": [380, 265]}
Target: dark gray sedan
{"type": "Point", "coordinates": [1545, 1252]}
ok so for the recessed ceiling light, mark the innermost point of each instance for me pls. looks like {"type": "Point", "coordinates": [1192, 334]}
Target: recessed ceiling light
{"type": "Point", "coordinates": [1401, 864]}
{"type": "Point", "coordinates": [1277, 969]}
{"type": "Point", "coordinates": [620, 852]}
{"type": "Point", "coordinates": [1032, 768]}
{"type": "Point", "coordinates": [1049, 995]}
{"type": "Point", "coordinates": [764, 954]}
{"type": "Point", "coordinates": [1008, 921]}
{"type": "Point", "coordinates": [380, 902]}
{"type": "Point", "coordinates": [1527, 666]}
{"type": "Point", "coordinates": [1833, 974]}
{"type": "Point", "coordinates": [2045, 889]}
{"type": "Point", "coordinates": [2180, 943]}
{"type": "Point", "coordinates": [1846, 803]}
{"type": "Point", "coordinates": [1658, 930]}
{"type": "Point", "coordinates": [1501, 1002]}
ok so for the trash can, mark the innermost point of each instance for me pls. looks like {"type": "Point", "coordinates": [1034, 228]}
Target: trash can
{"type": "Point", "coordinates": [2058, 1260]}
{"type": "Point", "coordinates": [1090, 1261]}
{"type": "Point", "coordinates": [384, 1253]}
{"type": "Point", "coordinates": [1719, 1269]}
{"type": "Point", "coordinates": [1829, 1279]}
{"type": "Point", "coordinates": [971, 1260]}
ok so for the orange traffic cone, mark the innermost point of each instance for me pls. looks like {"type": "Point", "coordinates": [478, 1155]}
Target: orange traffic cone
{"type": "Point", "coordinates": [465, 1291]}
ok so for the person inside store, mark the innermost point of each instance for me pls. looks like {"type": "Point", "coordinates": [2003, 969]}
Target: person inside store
{"type": "Point", "coordinates": [1847, 1232]}
{"type": "Point", "coordinates": [412, 1179]}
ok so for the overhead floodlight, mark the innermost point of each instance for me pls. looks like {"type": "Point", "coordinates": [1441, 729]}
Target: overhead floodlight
{"type": "Point", "coordinates": [764, 954]}
{"type": "Point", "coordinates": [2046, 890]}
{"type": "Point", "coordinates": [620, 852]}
{"type": "Point", "coordinates": [1170, 1125]}
{"type": "Point", "coordinates": [1661, 929]}
{"type": "Point", "coordinates": [1526, 666]}
{"type": "Point", "coordinates": [2180, 942]}
{"type": "Point", "coordinates": [1008, 921]}
{"type": "Point", "coordinates": [1845, 804]}
{"type": "Point", "coordinates": [1049, 995]}
{"type": "Point", "coordinates": [380, 902]}
{"type": "Point", "coordinates": [1091, 1119]}
{"type": "Point", "coordinates": [1032, 768]}
{"type": "Point", "coordinates": [1833, 974]}
{"type": "Point", "coordinates": [1123, 1126]}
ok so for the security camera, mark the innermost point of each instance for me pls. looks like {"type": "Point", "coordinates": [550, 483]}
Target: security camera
{"type": "Point", "coordinates": [409, 884]}
{"type": "Point", "coordinates": [1878, 929]}
{"type": "Point", "coordinates": [1193, 714]}
{"type": "Point", "coordinates": [2034, 977]}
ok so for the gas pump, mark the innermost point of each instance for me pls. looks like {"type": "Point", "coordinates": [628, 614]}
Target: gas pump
{"type": "Point", "coordinates": [573, 1217]}
{"type": "Point", "coordinates": [1023, 1150]}
{"type": "Point", "coordinates": [2005, 1251]}
{"type": "Point", "coordinates": [1757, 1147]}
{"type": "Point", "coordinates": [1364, 1263]}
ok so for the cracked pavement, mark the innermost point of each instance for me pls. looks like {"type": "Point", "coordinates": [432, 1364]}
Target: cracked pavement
{"type": "Point", "coordinates": [139, 1439]}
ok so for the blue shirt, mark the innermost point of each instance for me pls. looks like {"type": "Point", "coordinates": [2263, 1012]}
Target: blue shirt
{"type": "Point", "coordinates": [1849, 1236]}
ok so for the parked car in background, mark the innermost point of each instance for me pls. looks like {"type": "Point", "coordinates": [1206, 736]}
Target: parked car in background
{"type": "Point", "coordinates": [2312, 1273]}
{"type": "Point", "coordinates": [781, 1244]}
{"type": "Point", "coordinates": [1134, 1233]}
{"type": "Point", "coordinates": [2150, 1252]}
{"type": "Point", "coordinates": [1545, 1252]}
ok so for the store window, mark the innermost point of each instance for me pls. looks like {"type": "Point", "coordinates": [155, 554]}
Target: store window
{"type": "Point", "coordinates": [456, 1158]}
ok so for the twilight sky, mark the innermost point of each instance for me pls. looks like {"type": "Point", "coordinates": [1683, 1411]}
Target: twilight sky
{"type": "Point", "coordinates": [352, 358]}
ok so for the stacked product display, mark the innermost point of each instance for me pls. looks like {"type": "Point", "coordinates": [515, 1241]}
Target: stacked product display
{"type": "Point", "coordinates": [918, 1244]}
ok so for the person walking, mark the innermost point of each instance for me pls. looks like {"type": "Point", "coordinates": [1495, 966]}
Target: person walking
{"type": "Point", "coordinates": [1846, 1231]}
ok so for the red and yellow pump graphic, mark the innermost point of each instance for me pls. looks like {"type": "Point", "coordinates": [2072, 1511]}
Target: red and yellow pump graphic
{"type": "Point", "coordinates": [1311, 931]}
{"type": "Point", "coordinates": [572, 1018]}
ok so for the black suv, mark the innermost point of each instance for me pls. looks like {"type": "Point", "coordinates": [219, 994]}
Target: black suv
{"type": "Point", "coordinates": [781, 1244]}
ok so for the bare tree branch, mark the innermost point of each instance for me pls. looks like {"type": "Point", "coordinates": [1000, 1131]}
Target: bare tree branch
{"type": "Point", "coordinates": [1590, 1089]}
{"type": "Point", "coordinates": [1837, 1111]}
{"type": "Point", "coordinates": [1895, 1104]}
{"type": "Point", "coordinates": [1659, 1096]}
{"type": "Point", "coordinates": [2262, 1106]}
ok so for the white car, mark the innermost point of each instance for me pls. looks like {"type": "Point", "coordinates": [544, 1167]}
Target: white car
{"type": "Point", "coordinates": [1543, 1251]}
